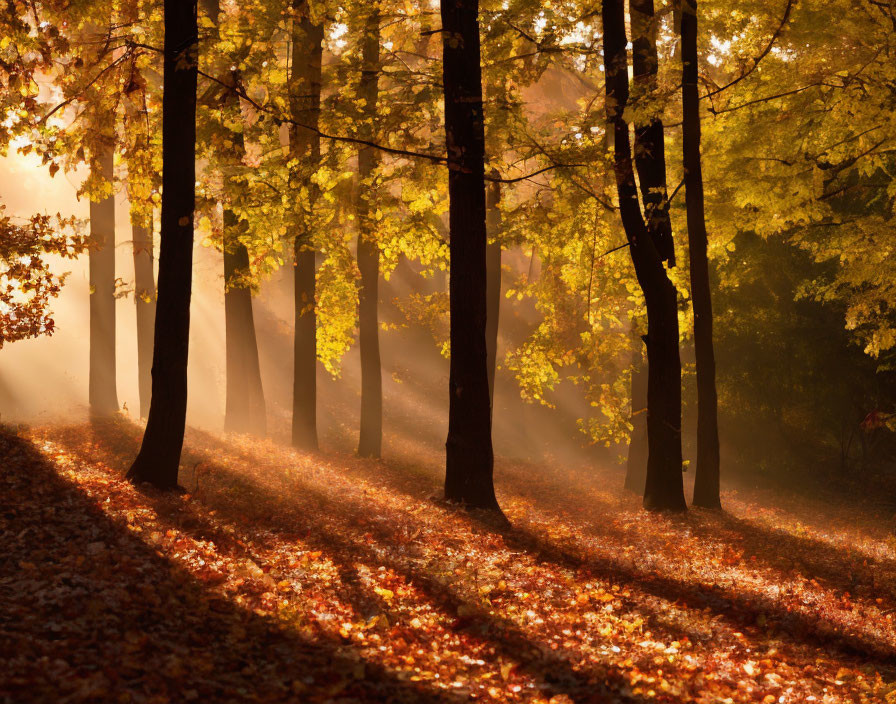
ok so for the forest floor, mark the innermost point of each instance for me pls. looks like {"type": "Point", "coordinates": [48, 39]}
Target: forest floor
{"type": "Point", "coordinates": [284, 576]}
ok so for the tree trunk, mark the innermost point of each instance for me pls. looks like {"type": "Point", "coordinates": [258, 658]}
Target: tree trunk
{"type": "Point", "coordinates": [493, 283]}
{"type": "Point", "coordinates": [650, 152]}
{"type": "Point", "coordinates": [244, 407]}
{"type": "Point", "coordinates": [101, 262]}
{"type": "Point", "coordinates": [664, 488]}
{"type": "Point", "coordinates": [636, 467]}
{"type": "Point", "coordinates": [469, 455]}
{"type": "Point", "coordinates": [145, 300]}
{"type": "Point", "coordinates": [159, 456]}
{"type": "Point", "coordinates": [706, 481]}
{"type": "Point", "coordinates": [371, 435]}
{"type": "Point", "coordinates": [304, 145]}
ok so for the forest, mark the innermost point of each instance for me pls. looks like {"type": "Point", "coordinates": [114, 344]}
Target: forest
{"type": "Point", "coordinates": [448, 351]}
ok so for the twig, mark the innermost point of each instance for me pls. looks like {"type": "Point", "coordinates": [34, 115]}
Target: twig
{"type": "Point", "coordinates": [762, 54]}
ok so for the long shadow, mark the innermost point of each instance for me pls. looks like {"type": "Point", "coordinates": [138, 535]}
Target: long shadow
{"type": "Point", "coordinates": [555, 670]}
{"type": "Point", "coordinates": [831, 566]}
{"type": "Point", "coordinates": [259, 506]}
{"type": "Point", "coordinates": [739, 610]}
{"type": "Point", "coordinates": [834, 567]}
{"type": "Point", "coordinates": [742, 612]}
{"type": "Point", "coordinates": [91, 613]}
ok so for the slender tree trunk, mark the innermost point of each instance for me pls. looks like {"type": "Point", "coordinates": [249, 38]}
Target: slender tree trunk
{"type": "Point", "coordinates": [469, 455]}
{"type": "Point", "coordinates": [101, 262]}
{"type": "Point", "coordinates": [145, 300]}
{"type": "Point", "coordinates": [650, 152]}
{"type": "Point", "coordinates": [664, 488]}
{"type": "Point", "coordinates": [304, 144]}
{"type": "Point", "coordinates": [244, 406]}
{"type": "Point", "coordinates": [636, 467]}
{"type": "Point", "coordinates": [159, 456]}
{"type": "Point", "coordinates": [706, 481]}
{"type": "Point", "coordinates": [371, 436]}
{"type": "Point", "coordinates": [493, 283]}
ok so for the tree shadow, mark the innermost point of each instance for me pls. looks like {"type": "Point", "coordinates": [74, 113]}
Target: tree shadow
{"type": "Point", "coordinates": [91, 613]}
{"type": "Point", "coordinates": [837, 568]}
{"type": "Point", "coordinates": [743, 612]}
{"type": "Point", "coordinates": [349, 516]}
{"type": "Point", "coordinates": [348, 535]}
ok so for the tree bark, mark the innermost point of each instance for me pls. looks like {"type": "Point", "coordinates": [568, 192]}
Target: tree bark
{"type": "Point", "coordinates": [493, 283]}
{"type": "Point", "coordinates": [304, 145]}
{"type": "Point", "coordinates": [244, 405]}
{"type": "Point", "coordinates": [103, 395]}
{"type": "Point", "coordinates": [636, 466]}
{"type": "Point", "coordinates": [159, 457]}
{"type": "Point", "coordinates": [706, 481]}
{"type": "Point", "coordinates": [650, 151]}
{"type": "Point", "coordinates": [371, 434]}
{"type": "Point", "coordinates": [469, 454]}
{"type": "Point", "coordinates": [664, 489]}
{"type": "Point", "coordinates": [145, 300]}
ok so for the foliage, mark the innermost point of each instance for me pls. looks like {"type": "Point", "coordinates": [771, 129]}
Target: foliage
{"type": "Point", "coordinates": [282, 575]}
{"type": "Point", "coordinates": [797, 145]}
{"type": "Point", "coordinates": [28, 280]}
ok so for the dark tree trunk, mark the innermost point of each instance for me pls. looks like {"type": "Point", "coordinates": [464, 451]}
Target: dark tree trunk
{"type": "Point", "coordinates": [650, 152]}
{"type": "Point", "coordinates": [145, 299]}
{"type": "Point", "coordinates": [101, 262]}
{"type": "Point", "coordinates": [664, 488]}
{"type": "Point", "coordinates": [159, 456]}
{"type": "Point", "coordinates": [244, 407]}
{"type": "Point", "coordinates": [469, 455]}
{"type": "Point", "coordinates": [493, 283]}
{"type": "Point", "coordinates": [636, 467]}
{"type": "Point", "coordinates": [706, 481]}
{"type": "Point", "coordinates": [304, 144]}
{"type": "Point", "coordinates": [371, 435]}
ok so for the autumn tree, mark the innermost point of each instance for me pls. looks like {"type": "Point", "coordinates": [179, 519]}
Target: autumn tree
{"type": "Point", "coordinates": [100, 122]}
{"type": "Point", "coordinates": [371, 432]}
{"type": "Point", "coordinates": [159, 456]}
{"type": "Point", "coordinates": [706, 482]}
{"type": "Point", "coordinates": [244, 399]}
{"type": "Point", "coordinates": [470, 460]}
{"type": "Point", "coordinates": [139, 154]}
{"type": "Point", "coordinates": [493, 280]}
{"type": "Point", "coordinates": [664, 487]}
{"type": "Point", "coordinates": [138, 140]}
{"type": "Point", "coordinates": [101, 258]}
{"type": "Point", "coordinates": [304, 148]}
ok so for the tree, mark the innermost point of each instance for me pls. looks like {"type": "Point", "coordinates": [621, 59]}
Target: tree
{"type": "Point", "coordinates": [304, 147]}
{"type": "Point", "coordinates": [139, 150]}
{"type": "Point", "coordinates": [706, 480]}
{"type": "Point", "coordinates": [371, 435]}
{"type": "Point", "coordinates": [636, 463]}
{"type": "Point", "coordinates": [469, 455]}
{"type": "Point", "coordinates": [244, 404]}
{"type": "Point", "coordinates": [493, 281]}
{"type": "Point", "coordinates": [145, 301]}
{"type": "Point", "coordinates": [244, 408]}
{"type": "Point", "coordinates": [101, 263]}
{"type": "Point", "coordinates": [664, 487]}
{"type": "Point", "coordinates": [159, 456]}
{"type": "Point", "coordinates": [650, 156]}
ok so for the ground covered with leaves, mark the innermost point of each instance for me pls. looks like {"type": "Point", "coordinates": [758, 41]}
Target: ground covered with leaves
{"type": "Point", "coordinates": [282, 576]}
